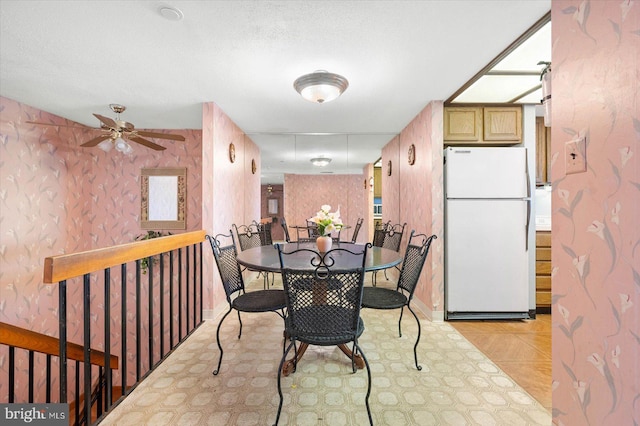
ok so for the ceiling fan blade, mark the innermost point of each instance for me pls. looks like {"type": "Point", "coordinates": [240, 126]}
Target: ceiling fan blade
{"type": "Point", "coordinates": [49, 124]}
{"type": "Point", "coordinates": [95, 141]}
{"type": "Point", "coordinates": [106, 121]}
{"type": "Point", "coordinates": [147, 143]}
{"type": "Point", "coordinates": [160, 135]}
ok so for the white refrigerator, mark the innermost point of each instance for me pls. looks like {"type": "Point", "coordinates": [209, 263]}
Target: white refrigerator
{"type": "Point", "coordinates": [487, 219]}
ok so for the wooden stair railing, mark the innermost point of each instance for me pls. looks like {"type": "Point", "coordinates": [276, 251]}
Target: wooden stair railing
{"type": "Point", "coordinates": [11, 335]}
{"type": "Point", "coordinates": [34, 342]}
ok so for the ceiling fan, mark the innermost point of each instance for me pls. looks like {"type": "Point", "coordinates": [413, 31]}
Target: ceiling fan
{"type": "Point", "coordinates": [115, 131]}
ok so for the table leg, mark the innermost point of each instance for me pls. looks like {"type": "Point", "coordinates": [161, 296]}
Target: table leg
{"type": "Point", "coordinates": [289, 365]}
{"type": "Point", "coordinates": [357, 357]}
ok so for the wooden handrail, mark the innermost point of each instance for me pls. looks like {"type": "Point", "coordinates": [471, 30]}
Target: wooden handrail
{"type": "Point", "coordinates": [37, 342]}
{"type": "Point", "coordinates": [63, 267]}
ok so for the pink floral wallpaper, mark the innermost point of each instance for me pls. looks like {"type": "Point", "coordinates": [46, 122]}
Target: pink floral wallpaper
{"type": "Point", "coordinates": [58, 197]}
{"type": "Point", "coordinates": [232, 192]}
{"type": "Point", "coordinates": [596, 225]}
{"type": "Point", "coordinates": [305, 194]}
{"type": "Point", "coordinates": [413, 194]}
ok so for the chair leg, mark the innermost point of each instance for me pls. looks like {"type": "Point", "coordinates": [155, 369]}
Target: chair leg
{"type": "Point", "coordinates": [415, 347]}
{"type": "Point", "coordinates": [366, 398]}
{"type": "Point", "coordinates": [240, 321]}
{"type": "Point", "coordinates": [400, 322]}
{"type": "Point", "coordinates": [217, 370]}
{"type": "Point", "coordinates": [284, 356]}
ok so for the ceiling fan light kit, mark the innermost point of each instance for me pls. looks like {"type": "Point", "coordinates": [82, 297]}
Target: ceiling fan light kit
{"type": "Point", "coordinates": [320, 86]}
{"type": "Point", "coordinates": [116, 131]}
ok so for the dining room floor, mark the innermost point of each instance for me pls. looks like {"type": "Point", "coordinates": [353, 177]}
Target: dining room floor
{"type": "Point", "coordinates": [459, 384]}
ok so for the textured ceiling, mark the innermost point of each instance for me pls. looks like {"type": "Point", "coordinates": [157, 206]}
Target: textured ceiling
{"type": "Point", "coordinates": [74, 58]}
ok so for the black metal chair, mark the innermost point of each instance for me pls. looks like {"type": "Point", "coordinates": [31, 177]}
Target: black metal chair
{"type": "Point", "coordinates": [389, 237]}
{"type": "Point", "coordinates": [356, 230]}
{"type": "Point", "coordinates": [385, 298]}
{"type": "Point", "coordinates": [285, 228]}
{"type": "Point", "coordinates": [323, 293]}
{"type": "Point", "coordinates": [250, 236]}
{"type": "Point", "coordinates": [378, 233]}
{"type": "Point", "coordinates": [264, 230]}
{"type": "Point", "coordinates": [238, 299]}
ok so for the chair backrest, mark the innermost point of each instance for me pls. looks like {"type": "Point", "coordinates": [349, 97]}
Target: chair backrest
{"type": "Point", "coordinates": [283, 222]}
{"type": "Point", "coordinates": [414, 258]}
{"type": "Point", "coordinates": [356, 230]}
{"type": "Point", "coordinates": [392, 237]}
{"type": "Point", "coordinates": [248, 236]}
{"type": "Point", "coordinates": [312, 229]}
{"type": "Point", "coordinates": [378, 233]}
{"type": "Point", "coordinates": [323, 293]}
{"type": "Point", "coordinates": [228, 266]}
{"type": "Point", "coordinates": [264, 229]}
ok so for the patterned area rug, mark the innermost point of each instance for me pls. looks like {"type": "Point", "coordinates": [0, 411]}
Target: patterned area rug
{"type": "Point", "coordinates": [458, 385]}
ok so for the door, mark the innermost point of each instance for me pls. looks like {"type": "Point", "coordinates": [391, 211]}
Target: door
{"type": "Point", "coordinates": [486, 256]}
{"type": "Point", "coordinates": [486, 173]}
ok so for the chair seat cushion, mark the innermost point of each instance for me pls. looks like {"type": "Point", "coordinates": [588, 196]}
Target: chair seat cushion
{"type": "Point", "coordinates": [260, 301]}
{"type": "Point", "coordinates": [382, 298]}
{"type": "Point", "coordinates": [324, 329]}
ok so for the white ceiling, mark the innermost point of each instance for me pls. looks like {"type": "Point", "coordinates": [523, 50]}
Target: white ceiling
{"type": "Point", "coordinates": [74, 58]}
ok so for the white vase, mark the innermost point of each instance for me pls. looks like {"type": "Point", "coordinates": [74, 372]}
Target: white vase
{"type": "Point", "coordinates": [324, 244]}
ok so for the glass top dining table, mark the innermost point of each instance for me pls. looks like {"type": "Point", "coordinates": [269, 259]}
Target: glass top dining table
{"type": "Point", "coordinates": [265, 258]}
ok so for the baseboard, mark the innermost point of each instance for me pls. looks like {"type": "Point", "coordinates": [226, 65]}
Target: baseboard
{"type": "Point", "coordinates": [433, 316]}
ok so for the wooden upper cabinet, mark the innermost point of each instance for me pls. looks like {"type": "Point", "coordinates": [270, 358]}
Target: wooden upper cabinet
{"type": "Point", "coordinates": [462, 124]}
{"type": "Point", "coordinates": [495, 125]}
{"type": "Point", "coordinates": [502, 123]}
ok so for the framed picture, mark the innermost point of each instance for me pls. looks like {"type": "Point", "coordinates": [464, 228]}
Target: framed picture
{"type": "Point", "coordinates": [272, 205]}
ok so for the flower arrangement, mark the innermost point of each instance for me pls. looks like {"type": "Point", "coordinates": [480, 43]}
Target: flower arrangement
{"type": "Point", "coordinates": [327, 222]}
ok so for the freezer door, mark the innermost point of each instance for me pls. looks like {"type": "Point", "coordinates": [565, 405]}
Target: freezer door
{"type": "Point", "coordinates": [488, 172]}
{"type": "Point", "coordinates": [486, 262]}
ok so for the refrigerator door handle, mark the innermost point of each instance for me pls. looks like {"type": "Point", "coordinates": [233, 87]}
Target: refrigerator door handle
{"type": "Point", "coordinates": [526, 228]}
{"type": "Point", "coordinates": [527, 175]}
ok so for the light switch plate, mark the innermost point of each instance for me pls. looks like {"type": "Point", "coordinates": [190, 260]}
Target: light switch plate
{"type": "Point", "coordinates": [575, 154]}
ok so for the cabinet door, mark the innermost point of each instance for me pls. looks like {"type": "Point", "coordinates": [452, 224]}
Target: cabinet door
{"type": "Point", "coordinates": [462, 124]}
{"type": "Point", "coordinates": [503, 124]}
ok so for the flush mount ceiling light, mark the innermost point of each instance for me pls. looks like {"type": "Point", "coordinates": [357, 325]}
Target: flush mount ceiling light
{"type": "Point", "coordinates": [320, 161]}
{"type": "Point", "coordinates": [171, 13]}
{"type": "Point", "coordinates": [320, 86]}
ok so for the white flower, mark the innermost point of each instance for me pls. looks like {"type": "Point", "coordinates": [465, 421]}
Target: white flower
{"type": "Point", "coordinates": [564, 196]}
{"type": "Point", "coordinates": [615, 213]}
{"type": "Point", "coordinates": [564, 312]}
{"type": "Point", "coordinates": [625, 302]}
{"type": "Point", "coordinates": [615, 356]}
{"type": "Point", "coordinates": [327, 222]}
{"type": "Point", "coordinates": [579, 263]}
{"type": "Point", "coordinates": [596, 227]}
{"type": "Point", "coordinates": [581, 388]}
{"type": "Point", "coordinates": [598, 362]}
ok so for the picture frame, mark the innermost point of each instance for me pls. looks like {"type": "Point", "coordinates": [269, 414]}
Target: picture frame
{"type": "Point", "coordinates": [163, 192]}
